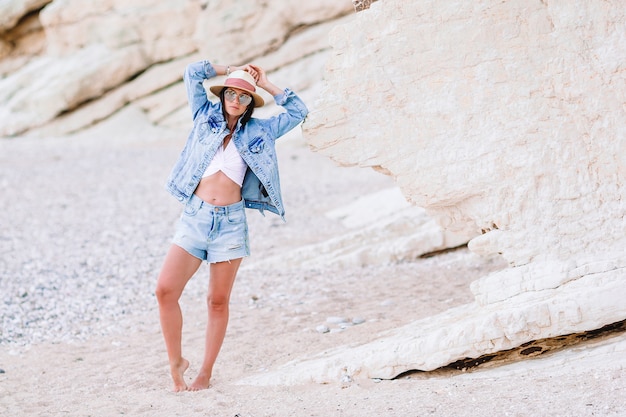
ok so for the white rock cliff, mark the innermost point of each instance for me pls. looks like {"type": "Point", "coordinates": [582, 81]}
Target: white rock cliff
{"type": "Point", "coordinates": [502, 119]}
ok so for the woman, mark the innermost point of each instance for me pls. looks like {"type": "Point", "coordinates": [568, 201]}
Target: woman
{"type": "Point", "coordinates": [228, 163]}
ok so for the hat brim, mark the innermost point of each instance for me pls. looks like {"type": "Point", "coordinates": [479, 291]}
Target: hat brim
{"type": "Point", "coordinates": [258, 100]}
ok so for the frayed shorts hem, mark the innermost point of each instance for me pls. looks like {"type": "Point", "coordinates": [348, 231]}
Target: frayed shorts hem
{"type": "Point", "coordinates": [199, 255]}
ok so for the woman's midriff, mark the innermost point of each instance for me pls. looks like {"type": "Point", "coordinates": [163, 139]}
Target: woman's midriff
{"type": "Point", "coordinates": [218, 190]}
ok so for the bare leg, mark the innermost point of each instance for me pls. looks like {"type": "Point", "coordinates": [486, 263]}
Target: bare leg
{"type": "Point", "coordinates": [220, 285]}
{"type": "Point", "coordinates": [178, 267]}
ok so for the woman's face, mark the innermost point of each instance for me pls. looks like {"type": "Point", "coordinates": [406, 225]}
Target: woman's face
{"type": "Point", "coordinates": [236, 101]}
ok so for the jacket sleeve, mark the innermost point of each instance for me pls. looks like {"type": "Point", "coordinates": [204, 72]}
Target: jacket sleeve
{"type": "Point", "coordinates": [296, 113]}
{"type": "Point", "coordinates": [194, 76]}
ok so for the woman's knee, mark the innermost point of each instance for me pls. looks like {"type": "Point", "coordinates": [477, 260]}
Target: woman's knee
{"type": "Point", "coordinates": [217, 302]}
{"type": "Point", "coordinates": [166, 293]}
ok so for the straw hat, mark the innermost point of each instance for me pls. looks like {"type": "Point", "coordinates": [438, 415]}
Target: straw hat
{"type": "Point", "coordinates": [242, 80]}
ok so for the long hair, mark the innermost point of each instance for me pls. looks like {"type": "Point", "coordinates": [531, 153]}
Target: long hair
{"type": "Point", "coordinates": [245, 117]}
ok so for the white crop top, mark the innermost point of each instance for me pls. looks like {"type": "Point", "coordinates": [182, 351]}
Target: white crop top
{"type": "Point", "coordinates": [229, 162]}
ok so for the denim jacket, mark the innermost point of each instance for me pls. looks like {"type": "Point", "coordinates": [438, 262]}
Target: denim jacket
{"type": "Point", "coordinates": [255, 142]}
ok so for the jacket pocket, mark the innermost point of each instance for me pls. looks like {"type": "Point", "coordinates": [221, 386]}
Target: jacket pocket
{"type": "Point", "coordinates": [207, 128]}
{"type": "Point", "coordinates": [257, 144]}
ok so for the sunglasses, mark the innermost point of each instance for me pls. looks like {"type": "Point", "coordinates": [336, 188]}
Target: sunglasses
{"type": "Point", "coordinates": [231, 95]}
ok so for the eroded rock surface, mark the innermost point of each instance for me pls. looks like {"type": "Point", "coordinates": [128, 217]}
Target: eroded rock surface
{"type": "Point", "coordinates": [504, 120]}
{"type": "Point", "coordinates": [69, 66]}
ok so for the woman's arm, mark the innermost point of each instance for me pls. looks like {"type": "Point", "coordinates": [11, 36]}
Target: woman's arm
{"type": "Point", "coordinates": [227, 69]}
{"type": "Point", "coordinates": [296, 110]}
{"type": "Point", "coordinates": [195, 74]}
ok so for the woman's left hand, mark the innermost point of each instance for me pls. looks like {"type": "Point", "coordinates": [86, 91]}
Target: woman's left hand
{"type": "Point", "coordinates": [259, 75]}
{"type": "Point", "coordinates": [252, 70]}
{"type": "Point", "coordinates": [263, 82]}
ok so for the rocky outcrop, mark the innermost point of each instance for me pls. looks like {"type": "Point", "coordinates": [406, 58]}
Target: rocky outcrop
{"type": "Point", "coordinates": [81, 64]}
{"type": "Point", "coordinates": [91, 51]}
{"type": "Point", "coordinates": [404, 233]}
{"type": "Point", "coordinates": [503, 120]}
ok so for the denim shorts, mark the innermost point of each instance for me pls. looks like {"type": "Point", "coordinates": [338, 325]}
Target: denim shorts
{"type": "Point", "coordinates": [213, 233]}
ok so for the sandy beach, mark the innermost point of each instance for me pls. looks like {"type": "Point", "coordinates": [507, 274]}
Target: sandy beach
{"type": "Point", "coordinates": [84, 227]}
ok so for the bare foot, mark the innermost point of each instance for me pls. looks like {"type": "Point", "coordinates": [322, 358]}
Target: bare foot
{"type": "Point", "coordinates": [201, 382]}
{"type": "Point", "coordinates": [177, 372]}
